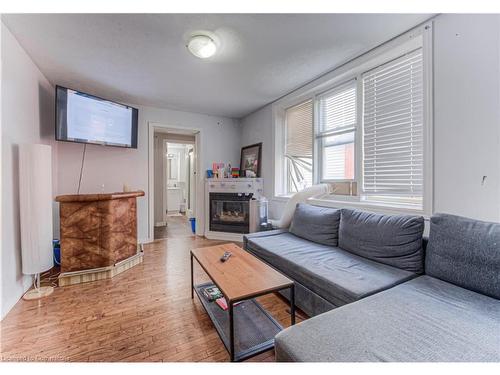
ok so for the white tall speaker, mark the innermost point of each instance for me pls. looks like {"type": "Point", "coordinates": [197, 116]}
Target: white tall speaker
{"type": "Point", "coordinates": [35, 202]}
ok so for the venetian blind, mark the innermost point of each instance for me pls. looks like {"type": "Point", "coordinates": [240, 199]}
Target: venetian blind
{"type": "Point", "coordinates": [299, 130]}
{"type": "Point", "coordinates": [393, 128]}
{"type": "Point", "coordinates": [299, 146]}
{"type": "Point", "coordinates": [337, 109]}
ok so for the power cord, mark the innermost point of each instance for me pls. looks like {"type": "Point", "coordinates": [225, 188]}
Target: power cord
{"type": "Point", "coordinates": [35, 282]}
{"type": "Point", "coordinates": [81, 168]}
{"type": "Point", "coordinates": [50, 277]}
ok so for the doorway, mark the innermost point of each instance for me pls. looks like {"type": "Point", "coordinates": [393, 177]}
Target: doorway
{"type": "Point", "coordinates": [175, 184]}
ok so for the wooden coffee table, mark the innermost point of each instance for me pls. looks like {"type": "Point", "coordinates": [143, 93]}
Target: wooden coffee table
{"type": "Point", "coordinates": [241, 278]}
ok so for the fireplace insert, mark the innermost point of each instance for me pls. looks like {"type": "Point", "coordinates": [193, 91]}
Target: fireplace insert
{"type": "Point", "coordinates": [229, 212]}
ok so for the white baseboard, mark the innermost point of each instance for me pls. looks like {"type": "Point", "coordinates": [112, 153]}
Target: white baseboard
{"type": "Point", "coordinates": [160, 224]}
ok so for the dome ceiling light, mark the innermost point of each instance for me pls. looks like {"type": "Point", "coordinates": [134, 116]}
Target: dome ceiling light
{"type": "Point", "coordinates": [202, 46]}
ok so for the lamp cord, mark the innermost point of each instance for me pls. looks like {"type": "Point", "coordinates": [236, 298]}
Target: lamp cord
{"type": "Point", "coordinates": [37, 281]}
{"type": "Point", "coordinates": [81, 168]}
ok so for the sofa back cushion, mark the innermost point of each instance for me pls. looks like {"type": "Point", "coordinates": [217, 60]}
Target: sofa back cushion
{"type": "Point", "coordinates": [465, 252]}
{"type": "Point", "coordinates": [395, 240]}
{"type": "Point", "coordinates": [317, 224]}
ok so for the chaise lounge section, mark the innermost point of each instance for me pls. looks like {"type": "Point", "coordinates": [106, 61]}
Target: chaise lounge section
{"type": "Point", "coordinates": [422, 320]}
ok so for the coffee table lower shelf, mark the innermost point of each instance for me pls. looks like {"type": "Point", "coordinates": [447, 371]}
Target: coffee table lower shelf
{"type": "Point", "coordinates": [254, 327]}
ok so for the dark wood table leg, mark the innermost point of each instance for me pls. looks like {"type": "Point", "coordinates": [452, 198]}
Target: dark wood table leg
{"type": "Point", "coordinates": [192, 278]}
{"type": "Point", "coordinates": [231, 332]}
{"type": "Point", "coordinates": [292, 304]}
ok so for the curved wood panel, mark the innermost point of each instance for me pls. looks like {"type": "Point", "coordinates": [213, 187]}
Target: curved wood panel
{"type": "Point", "coordinates": [98, 233]}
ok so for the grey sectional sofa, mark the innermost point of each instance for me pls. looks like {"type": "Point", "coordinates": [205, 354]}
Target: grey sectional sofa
{"type": "Point", "coordinates": [390, 299]}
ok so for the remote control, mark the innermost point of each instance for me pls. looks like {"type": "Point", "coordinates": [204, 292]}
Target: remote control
{"type": "Point", "coordinates": [225, 257]}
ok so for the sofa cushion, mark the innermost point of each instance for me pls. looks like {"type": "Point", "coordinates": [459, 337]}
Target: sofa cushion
{"type": "Point", "coordinates": [395, 240]}
{"type": "Point", "coordinates": [465, 252]}
{"type": "Point", "coordinates": [334, 274]}
{"type": "Point", "coordinates": [318, 224]}
{"type": "Point", "coordinates": [424, 319]}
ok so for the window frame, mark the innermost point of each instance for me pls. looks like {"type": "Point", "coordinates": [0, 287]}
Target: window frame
{"type": "Point", "coordinates": [420, 36]}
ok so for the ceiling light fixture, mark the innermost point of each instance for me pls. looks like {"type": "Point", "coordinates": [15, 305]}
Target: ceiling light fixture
{"type": "Point", "coordinates": [202, 46]}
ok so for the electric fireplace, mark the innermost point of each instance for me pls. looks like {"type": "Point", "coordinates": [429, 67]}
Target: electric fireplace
{"type": "Point", "coordinates": [229, 212]}
{"type": "Point", "coordinates": [230, 209]}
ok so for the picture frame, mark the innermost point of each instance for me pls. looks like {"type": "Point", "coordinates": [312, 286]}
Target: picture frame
{"type": "Point", "coordinates": [251, 160]}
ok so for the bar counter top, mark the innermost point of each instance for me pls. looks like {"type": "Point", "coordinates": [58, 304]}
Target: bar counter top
{"type": "Point", "coordinates": [98, 197]}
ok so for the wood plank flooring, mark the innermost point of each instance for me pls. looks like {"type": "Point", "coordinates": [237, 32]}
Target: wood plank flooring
{"type": "Point", "coordinates": [144, 314]}
{"type": "Point", "coordinates": [177, 226]}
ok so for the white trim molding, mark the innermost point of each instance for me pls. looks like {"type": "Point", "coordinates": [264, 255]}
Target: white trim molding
{"type": "Point", "coordinates": [200, 182]}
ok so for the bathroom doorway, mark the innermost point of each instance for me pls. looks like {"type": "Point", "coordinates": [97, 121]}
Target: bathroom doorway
{"type": "Point", "coordinates": [175, 185]}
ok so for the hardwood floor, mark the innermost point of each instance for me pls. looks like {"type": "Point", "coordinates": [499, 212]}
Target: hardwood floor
{"type": "Point", "coordinates": [177, 226]}
{"type": "Point", "coordinates": [143, 314]}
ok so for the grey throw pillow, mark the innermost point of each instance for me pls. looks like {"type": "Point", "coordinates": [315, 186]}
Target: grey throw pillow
{"type": "Point", "coordinates": [465, 252]}
{"type": "Point", "coordinates": [317, 224]}
{"type": "Point", "coordinates": [395, 240]}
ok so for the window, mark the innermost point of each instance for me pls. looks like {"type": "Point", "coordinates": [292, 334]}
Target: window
{"type": "Point", "coordinates": [337, 124]}
{"type": "Point", "coordinates": [298, 147]}
{"type": "Point", "coordinates": [365, 131]}
{"type": "Point", "coordinates": [393, 130]}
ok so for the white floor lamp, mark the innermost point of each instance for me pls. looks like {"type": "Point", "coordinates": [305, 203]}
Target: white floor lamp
{"type": "Point", "coordinates": [35, 201]}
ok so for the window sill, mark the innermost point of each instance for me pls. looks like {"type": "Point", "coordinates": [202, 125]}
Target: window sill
{"type": "Point", "coordinates": [281, 198]}
{"type": "Point", "coordinates": [346, 202]}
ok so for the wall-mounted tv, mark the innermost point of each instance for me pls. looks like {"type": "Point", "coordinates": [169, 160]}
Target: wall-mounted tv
{"type": "Point", "coordinates": [85, 118]}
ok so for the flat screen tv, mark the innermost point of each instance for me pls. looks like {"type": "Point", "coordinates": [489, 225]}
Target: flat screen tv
{"type": "Point", "coordinates": [85, 118]}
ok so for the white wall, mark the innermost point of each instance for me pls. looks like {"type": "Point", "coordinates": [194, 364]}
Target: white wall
{"type": "Point", "coordinates": [27, 117]}
{"type": "Point", "coordinates": [466, 123]}
{"type": "Point", "coordinates": [467, 115]}
{"type": "Point", "coordinates": [256, 128]}
{"type": "Point", "coordinates": [113, 167]}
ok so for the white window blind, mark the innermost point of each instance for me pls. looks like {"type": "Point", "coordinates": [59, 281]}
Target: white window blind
{"type": "Point", "coordinates": [337, 123]}
{"type": "Point", "coordinates": [299, 146]}
{"type": "Point", "coordinates": [393, 128]}
{"type": "Point", "coordinates": [337, 108]}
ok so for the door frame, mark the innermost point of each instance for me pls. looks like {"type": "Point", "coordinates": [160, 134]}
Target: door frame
{"type": "Point", "coordinates": [199, 179]}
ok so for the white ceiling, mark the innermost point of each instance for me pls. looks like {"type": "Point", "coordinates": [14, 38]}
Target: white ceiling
{"type": "Point", "coordinates": [142, 59]}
